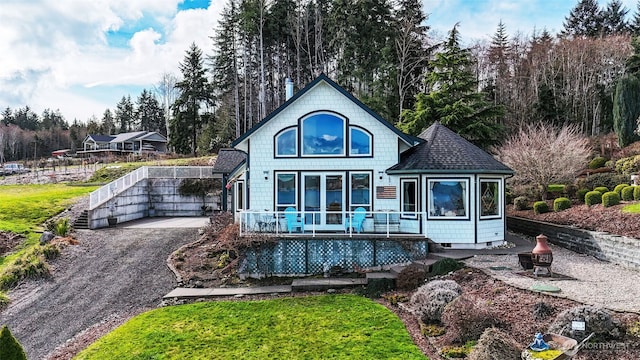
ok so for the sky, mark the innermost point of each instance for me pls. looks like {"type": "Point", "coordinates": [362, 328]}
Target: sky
{"type": "Point", "coordinates": [82, 56]}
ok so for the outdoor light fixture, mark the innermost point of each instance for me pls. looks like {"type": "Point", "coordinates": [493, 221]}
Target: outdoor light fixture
{"type": "Point", "coordinates": [266, 174]}
{"type": "Point", "coordinates": [380, 174]}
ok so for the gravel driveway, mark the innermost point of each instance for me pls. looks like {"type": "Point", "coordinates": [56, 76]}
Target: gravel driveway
{"type": "Point", "coordinates": [113, 272]}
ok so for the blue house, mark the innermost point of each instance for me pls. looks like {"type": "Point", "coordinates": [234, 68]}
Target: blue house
{"type": "Point", "coordinates": [346, 172]}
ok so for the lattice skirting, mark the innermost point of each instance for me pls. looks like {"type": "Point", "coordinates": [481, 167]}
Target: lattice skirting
{"type": "Point", "coordinates": [312, 256]}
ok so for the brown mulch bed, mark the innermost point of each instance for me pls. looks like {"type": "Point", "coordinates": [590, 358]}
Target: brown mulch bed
{"type": "Point", "coordinates": [595, 218]}
{"type": "Point", "coordinates": [8, 241]}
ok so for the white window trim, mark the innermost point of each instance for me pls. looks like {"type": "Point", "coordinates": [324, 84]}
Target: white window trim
{"type": "Point", "coordinates": [284, 131]}
{"type": "Point", "coordinates": [296, 189]}
{"type": "Point", "coordinates": [344, 135]}
{"type": "Point", "coordinates": [403, 214]}
{"type": "Point", "coordinates": [489, 217]}
{"type": "Point", "coordinates": [351, 204]}
{"type": "Point", "coordinates": [370, 153]}
{"type": "Point", "coordinates": [467, 208]}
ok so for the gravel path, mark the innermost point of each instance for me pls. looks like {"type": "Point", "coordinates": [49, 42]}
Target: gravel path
{"type": "Point", "coordinates": [112, 273]}
{"type": "Point", "coordinates": [596, 282]}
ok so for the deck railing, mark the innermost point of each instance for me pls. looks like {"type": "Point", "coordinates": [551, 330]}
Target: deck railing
{"type": "Point", "coordinates": [307, 223]}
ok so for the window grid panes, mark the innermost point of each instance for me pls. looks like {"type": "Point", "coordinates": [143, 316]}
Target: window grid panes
{"type": "Point", "coordinates": [323, 135]}
{"type": "Point", "coordinates": [286, 190]}
{"type": "Point", "coordinates": [489, 198]}
{"type": "Point", "coordinates": [360, 191]}
{"type": "Point", "coordinates": [448, 198]}
{"type": "Point", "coordinates": [409, 197]}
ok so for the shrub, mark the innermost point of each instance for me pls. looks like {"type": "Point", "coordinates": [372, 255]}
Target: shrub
{"type": "Point", "coordinates": [495, 344]}
{"type": "Point", "coordinates": [610, 180]}
{"type": "Point", "coordinates": [521, 203]}
{"type": "Point", "coordinates": [636, 193]}
{"type": "Point", "coordinates": [542, 310]}
{"type": "Point", "coordinates": [411, 277]}
{"type": "Point", "coordinates": [376, 287]}
{"type": "Point", "coordinates": [445, 266]}
{"type": "Point", "coordinates": [570, 191]}
{"type": "Point", "coordinates": [4, 301]}
{"type": "Point", "coordinates": [627, 193]}
{"type": "Point", "coordinates": [540, 207]}
{"type": "Point", "coordinates": [592, 198]}
{"type": "Point", "coordinates": [628, 165]}
{"type": "Point", "coordinates": [581, 193]}
{"type": "Point", "coordinates": [597, 162]}
{"type": "Point", "coordinates": [442, 284]}
{"type": "Point", "coordinates": [62, 227]}
{"type": "Point", "coordinates": [556, 189]}
{"type": "Point", "coordinates": [619, 188]}
{"type": "Point", "coordinates": [610, 198]}
{"type": "Point", "coordinates": [561, 203]}
{"type": "Point", "coordinates": [597, 320]}
{"type": "Point", "coordinates": [466, 319]}
{"type": "Point", "coordinates": [10, 348]}
{"type": "Point", "coordinates": [429, 300]}
{"type": "Point", "coordinates": [457, 352]}
{"type": "Point", "coordinates": [601, 189]}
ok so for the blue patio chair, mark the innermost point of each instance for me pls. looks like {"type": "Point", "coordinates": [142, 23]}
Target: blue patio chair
{"type": "Point", "coordinates": [292, 219]}
{"type": "Point", "coordinates": [356, 221]}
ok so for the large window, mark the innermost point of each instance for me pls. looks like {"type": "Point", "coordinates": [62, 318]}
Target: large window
{"type": "Point", "coordinates": [360, 143]}
{"type": "Point", "coordinates": [360, 191]}
{"type": "Point", "coordinates": [489, 199]}
{"type": "Point", "coordinates": [287, 143]}
{"type": "Point", "coordinates": [448, 198]}
{"type": "Point", "coordinates": [323, 135]}
{"type": "Point", "coordinates": [409, 197]}
{"type": "Point", "coordinates": [286, 190]}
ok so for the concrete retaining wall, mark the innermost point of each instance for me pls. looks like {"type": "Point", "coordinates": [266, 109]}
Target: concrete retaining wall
{"type": "Point", "coordinates": [604, 246]}
{"type": "Point", "coordinates": [151, 197]}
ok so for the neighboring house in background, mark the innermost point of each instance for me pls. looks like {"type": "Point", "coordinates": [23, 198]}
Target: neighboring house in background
{"type": "Point", "coordinates": [131, 142]}
{"type": "Point", "coordinates": [326, 154]}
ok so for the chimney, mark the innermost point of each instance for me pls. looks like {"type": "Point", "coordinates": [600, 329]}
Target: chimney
{"type": "Point", "coordinates": [289, 89]}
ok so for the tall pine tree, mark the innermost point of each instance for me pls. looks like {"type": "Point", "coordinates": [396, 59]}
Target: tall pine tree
{"type": "Point", "coordinates": [585, 19]}
{"type": "Point", "coordinates": [453, 99]}
{"type": "Point", "coordinates": [195, 93]}
{"type": "Point", "coordinates": [613, 19]}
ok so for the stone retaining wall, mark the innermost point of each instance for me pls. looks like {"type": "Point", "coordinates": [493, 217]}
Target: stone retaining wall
{"type": "Point", "coordinates": [604, 246]}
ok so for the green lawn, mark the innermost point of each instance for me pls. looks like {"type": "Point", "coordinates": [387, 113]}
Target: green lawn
{"type": "Point", "coordinates": [632, 208]}
{"type": "Point", "coordinates": [314, 327]}
{"type": "Point", "coordinates": [23, 210]}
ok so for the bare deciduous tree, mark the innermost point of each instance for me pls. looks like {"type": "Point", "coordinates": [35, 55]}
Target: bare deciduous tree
{"type": "Point", "coordinates": [542, 154]}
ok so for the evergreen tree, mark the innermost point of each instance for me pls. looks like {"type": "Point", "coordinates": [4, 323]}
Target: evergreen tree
{"type": "Point", "coordinates": [613, 19]}
{"type": "Point", "coordinates": [125, 116]}
{"type": "Point", "coordinates": [453, 99]}
{"type": "Point", "coordinates": [10, 348]}
{"type": "Point", "coordinates": [632, 65]}
{"type": "Point", "coordinates": [107, 126]}
{"type": "Point", "coordinates": [149, 115]}
{"type": "Point", "coordinates": [634, 24]}
{"type": "Point", "coordinates": [195, 92]}
{"type": "Point", "coordinates": [626, 109]}
{"type": "Point", "coordinates": [499, 54]}
{"type": "Point", "coordinates": [585, 19]}
{"type": "Point", "coordinates": [7, 116]}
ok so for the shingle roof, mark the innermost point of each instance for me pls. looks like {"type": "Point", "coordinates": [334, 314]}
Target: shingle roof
{"type": "Point", "coordinates": [101, 138]}
{"type": "Point", "coordinates": [127, 136]}
{"type": "Point", "coordinates": [228, 160]}
{"type": "Point", "coordinates": [444, 151]}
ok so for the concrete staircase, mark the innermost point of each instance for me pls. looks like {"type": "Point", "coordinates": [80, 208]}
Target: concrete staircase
{"type": "Point", "coordinates": [82, 222]}
{"type": "Point", "coordinates": [431, 259]}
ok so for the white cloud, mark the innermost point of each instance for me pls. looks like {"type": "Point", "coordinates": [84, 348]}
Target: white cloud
{"type": "Point", "coordinates": [51, 48]}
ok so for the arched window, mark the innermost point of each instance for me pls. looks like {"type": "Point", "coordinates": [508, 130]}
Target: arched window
{"type": "Point", "coordinates": [323, 135]}
{"type": "Point", "coordinates": [360, 143]}
{"type": "Point", "coordinates": [287, 143]}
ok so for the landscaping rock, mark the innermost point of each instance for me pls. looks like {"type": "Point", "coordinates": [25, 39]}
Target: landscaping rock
{"type": "Point", "coordinates": [46, 237]}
